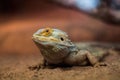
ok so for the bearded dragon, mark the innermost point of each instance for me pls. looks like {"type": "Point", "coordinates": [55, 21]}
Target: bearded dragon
{"type": "Point", "coordinates": [56, 49]}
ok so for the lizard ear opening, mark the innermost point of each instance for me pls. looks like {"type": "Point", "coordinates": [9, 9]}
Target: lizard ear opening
{"type": "Point", "coordinates": [62, 39]}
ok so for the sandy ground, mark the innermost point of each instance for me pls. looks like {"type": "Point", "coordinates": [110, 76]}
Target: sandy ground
{"type": "Point", "coordinates": [16, 68]}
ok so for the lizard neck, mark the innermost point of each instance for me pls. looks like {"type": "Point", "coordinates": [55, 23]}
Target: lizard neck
{"type": "Point", "coordinates": [73, 49]}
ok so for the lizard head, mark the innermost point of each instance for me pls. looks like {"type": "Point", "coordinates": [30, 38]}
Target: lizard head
{"type": "Point", "coordinates": [54, 44]}
{"type": "Point", "coordinates": [51, 36]}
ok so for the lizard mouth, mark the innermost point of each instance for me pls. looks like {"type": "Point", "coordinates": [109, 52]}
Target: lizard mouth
{"type": "Point", "coordinates": [44, 39]}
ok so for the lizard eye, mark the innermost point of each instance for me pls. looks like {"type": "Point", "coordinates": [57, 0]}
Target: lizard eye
{"type": "Point", "coordinates": [62, 39]}
{"type": "Point", "coordinates": [46, 32]}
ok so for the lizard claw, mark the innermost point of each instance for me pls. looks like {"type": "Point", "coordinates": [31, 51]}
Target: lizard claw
{"type": "Point", "coordinates": [100, 64]}
{"type": "Point", "coordinates": [36, 67]}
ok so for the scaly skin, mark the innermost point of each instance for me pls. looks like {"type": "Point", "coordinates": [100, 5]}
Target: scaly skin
{"type": "Point", "coordinates": [56, 48]}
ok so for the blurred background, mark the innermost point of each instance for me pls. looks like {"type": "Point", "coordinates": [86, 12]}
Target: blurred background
{"type": "Point", "coordinates": [83, 20]}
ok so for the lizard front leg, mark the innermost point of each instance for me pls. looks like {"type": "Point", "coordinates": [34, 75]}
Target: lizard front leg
{"type": "Point", "coordinates": [39, 66]}
{"type": "Point", "coordinates": [93, 60]}
{"type": "Point", "coordinates": [82, 58]}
